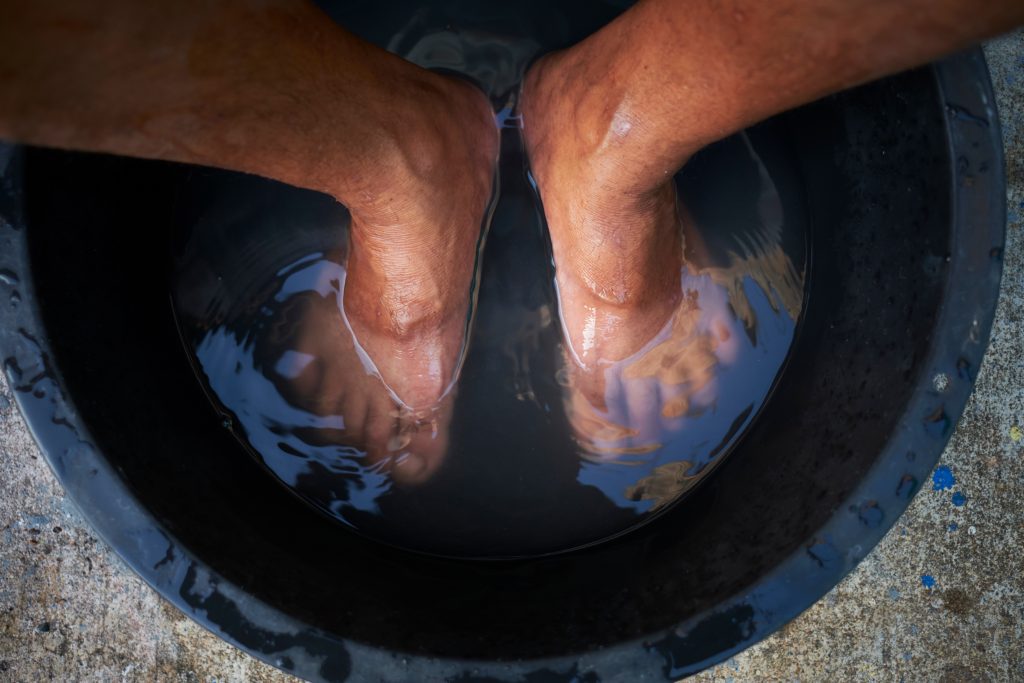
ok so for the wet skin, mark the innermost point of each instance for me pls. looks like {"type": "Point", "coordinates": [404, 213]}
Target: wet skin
{"type": "Point", "coordinates": [275, 88]}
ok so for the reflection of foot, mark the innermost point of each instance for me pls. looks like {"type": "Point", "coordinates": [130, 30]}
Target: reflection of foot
{"type": "Point", "coordinates": [317, 368]}
{"type": "Point", "coordinates": [415, 231]}
{"type": "Point", "coordinates": [618, 250]}
{"type": "Point", "coordinates": [629, 407]}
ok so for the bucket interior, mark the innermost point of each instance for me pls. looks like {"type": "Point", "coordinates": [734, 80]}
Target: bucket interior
{"type": "Point", "coordinates": [876, 176]}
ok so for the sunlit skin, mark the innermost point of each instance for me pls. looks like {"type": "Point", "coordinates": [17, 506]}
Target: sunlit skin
{"type": "Point", "coordinates": [608, 122]}
{"type": "Point", "coordinates": [275, 88]}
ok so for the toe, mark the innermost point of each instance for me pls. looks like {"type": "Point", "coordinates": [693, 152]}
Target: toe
{"type": "Point", "coordinates": [428, 446]}
{"type": "Point", "coordinates": [380, 428]}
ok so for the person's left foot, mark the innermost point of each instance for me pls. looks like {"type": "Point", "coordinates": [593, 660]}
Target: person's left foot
{"type": "Point", "coordinates": [617, 245]}
{"type": "Point", "coordinates": [617, 248]}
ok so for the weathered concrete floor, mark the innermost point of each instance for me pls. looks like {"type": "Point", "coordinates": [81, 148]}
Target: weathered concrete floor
{"type": "Point", "coordinates": [70, 610]}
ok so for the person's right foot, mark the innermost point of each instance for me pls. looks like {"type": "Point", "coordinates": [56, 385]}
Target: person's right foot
{"type": "Point", "coordinates": [414, 237]}
{"type": "Point", "coordinates": [617, 244]}
{"type": "Point", "coordinates": [416, 225]}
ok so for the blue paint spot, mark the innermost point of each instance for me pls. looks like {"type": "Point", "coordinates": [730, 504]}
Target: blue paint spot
{"type": "Point", "coordinates": [959, 499]}
{"type": "Point", "coordinates": [894, 594]}
{"type": "Point", "coordinates": [907, 656]}
{"type": "Point", "coordinates": [928, 581]}
{"type": "Point", "coordinates": [953, 526]}
{"type": "Point", "coordinates": [942, 479]}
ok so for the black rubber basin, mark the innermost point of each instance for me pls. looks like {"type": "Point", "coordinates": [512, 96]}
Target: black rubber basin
{"type": "Point", "coordinates": [905, 192]}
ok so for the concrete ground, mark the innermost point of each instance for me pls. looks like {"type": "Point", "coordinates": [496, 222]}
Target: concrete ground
{"type": "Point", "coordinates": [70, 610]}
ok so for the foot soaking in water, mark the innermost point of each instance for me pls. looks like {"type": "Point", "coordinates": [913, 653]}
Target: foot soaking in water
{"type": "Point", "coordinates": [477, 296]}
{"type": "Point", "coordinates": [531, 440]}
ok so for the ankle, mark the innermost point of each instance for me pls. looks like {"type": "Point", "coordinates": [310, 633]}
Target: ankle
{"type": "Point", "coordinates": [580, 121]}
{"type": "Point", "coordinates": [437, 134]}
{"type": "Point", "coordinates": [404, 322]}
{"type": "Point", "coordinates": [403, 291]}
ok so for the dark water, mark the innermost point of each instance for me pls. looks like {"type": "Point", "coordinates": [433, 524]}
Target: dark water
{"type": "Point", "coordinates": [529, 468]}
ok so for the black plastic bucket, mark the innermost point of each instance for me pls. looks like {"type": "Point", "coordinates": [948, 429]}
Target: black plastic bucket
{"type": "Point", "coordinates": [905, 185]}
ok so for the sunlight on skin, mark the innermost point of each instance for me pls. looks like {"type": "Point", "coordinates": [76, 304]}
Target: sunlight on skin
{"type": "Point", "coordinates": [627, 407]}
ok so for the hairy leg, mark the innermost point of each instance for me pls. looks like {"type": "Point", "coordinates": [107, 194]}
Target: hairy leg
{"type": "Point", "coordinates": [608, 122]}
{"type": "Point", "coordinates": [275, 88]}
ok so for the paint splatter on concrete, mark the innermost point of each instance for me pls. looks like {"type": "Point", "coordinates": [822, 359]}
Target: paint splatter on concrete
{"type": "Point", "coordinates": [959, 499]}
{"type": "Point", "coordinates": [942, 478]}
{"type": "Point", "coordinates": [928, 581]}
{"type": "Point", "coordinates": [1016, 433]}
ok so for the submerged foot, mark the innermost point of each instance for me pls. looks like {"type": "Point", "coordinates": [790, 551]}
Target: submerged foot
{"type": "Point", "coordinates": [414, 237]}
{"type": "Point", "coordinates": [637, 356]}
{"type": "Point", "coordinates": [315, 365]}
{"type": "Point", "coordinates": [617, 242]}
{"type": "Point", "coordinates": [382, 348]}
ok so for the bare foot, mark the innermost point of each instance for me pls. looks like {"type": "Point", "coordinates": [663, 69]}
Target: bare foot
{"type": "Point", "coordinates": [637, 356]}
{"type": "Point", "coordinates": [616, 239]}
{"type": "Point", "coordinates": [381, 347]}
{"type": "Point", "coordinates": [317, 368]}
{"type": "Point", "coordinates": [415, 231]}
